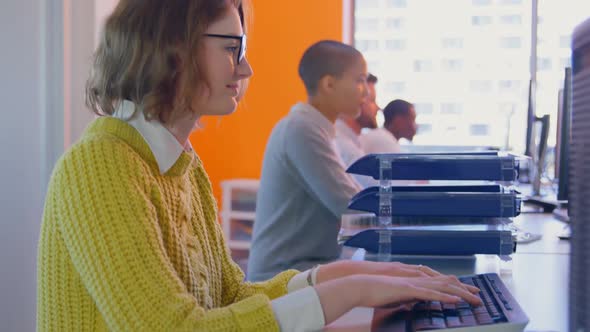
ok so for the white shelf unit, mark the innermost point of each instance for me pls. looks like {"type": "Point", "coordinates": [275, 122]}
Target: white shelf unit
{"type": "Point", "coordinates": [238, 211]}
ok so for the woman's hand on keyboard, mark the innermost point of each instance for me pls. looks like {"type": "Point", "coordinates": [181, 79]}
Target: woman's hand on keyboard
{"type": "Point", "coordinates": [340, 295]}
{"type": "Point", "coordinates": [382, 290]}
{"type": "Point", "coordinates": [345, 268]}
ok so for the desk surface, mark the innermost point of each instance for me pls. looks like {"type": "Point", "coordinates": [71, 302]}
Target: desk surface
{"type": "Point", "coordinates": [537, 276]}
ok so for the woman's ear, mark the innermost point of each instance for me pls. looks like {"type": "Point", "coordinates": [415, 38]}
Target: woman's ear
{"type": "Point", "coordinates": [176, 58]}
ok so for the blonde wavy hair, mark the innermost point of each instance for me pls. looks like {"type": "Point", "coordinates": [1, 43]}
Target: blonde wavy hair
{"type": "Point", "coordinates": [142, 47]}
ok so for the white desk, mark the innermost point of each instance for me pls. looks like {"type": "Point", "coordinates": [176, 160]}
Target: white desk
{"type": "Point", "coordinates": [538, 277]}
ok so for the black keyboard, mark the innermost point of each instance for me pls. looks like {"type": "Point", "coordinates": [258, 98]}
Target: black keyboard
{"type": "Point", "coordinates": [499, 312]}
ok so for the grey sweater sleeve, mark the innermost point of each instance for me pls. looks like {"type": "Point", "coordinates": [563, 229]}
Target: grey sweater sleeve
{"type": "Point", "coordinates": [312, 154]}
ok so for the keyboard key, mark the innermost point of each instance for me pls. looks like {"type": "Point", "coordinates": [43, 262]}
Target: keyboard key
{"type": "Point", "coordinates": [463, 305]}
{"type": "Point", "coordinates": [494, 313]}
{"type": "Point", "coordinates": [429, 324]}
{"type": "Point", "coordinates": [468, 321]}
{"type": "Point", "coordinates": [453, 321]}
{"type": "Point", "coordinates": [465, 312]}
{"type": "Point", "coordinates": [484, 318]}
{"type": "Point", "coordinates": [437, 314]}
{"type": "Point", "coordinates": [438, 322]}
{"type": "Point", "coordinates": [420, 306]}
{"type": "Point", "coordinates": [449, 306]}
{"type": "Point", "coordinates": [480, 309]}
{"type": "Point", "coordinates": [436, 306]}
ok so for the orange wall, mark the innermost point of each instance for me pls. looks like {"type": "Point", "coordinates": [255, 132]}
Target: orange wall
{"type": "Point", "coordinates": [233, 146]}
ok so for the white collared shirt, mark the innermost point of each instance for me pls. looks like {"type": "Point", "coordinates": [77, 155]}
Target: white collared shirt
{"type": "Point", "coordinates": [380, 140]}
{"type": "Point", "coordinates": [164, 146]}
{"type": "Point", "coordinates": [300, 309]}
{"type": "Point", "coordinates": [348, 145]}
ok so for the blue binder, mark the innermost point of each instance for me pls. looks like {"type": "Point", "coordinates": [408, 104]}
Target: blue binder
{"type": "Point", "coordinates": [485, 201]}
{"type": "Point", "coordinates": [491, 166]}
{"type": "Point", "coordinates": [440, 240]}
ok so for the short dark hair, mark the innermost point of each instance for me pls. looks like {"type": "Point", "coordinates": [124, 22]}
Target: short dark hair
{"type": "Point", "coordinates": [395, 108]}
{"type": "Point", "coordinates": [372, 78]}
{"type": "Point", "coordinates": [326, 57]}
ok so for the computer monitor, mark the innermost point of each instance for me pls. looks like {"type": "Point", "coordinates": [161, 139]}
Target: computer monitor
{"type": "Point", "coordinates": [579, 188]}
{"type": "Point", "coordinates": [530, 121]}
{"type": "Point", "coordinates": [563, 137]}
{"type": "Point", "coordinates": [537, 133]}
{"type": "Point", "coordinates": [535, 146]}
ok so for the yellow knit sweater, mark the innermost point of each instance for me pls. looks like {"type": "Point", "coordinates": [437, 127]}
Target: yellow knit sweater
{"type": "Point", "coordinates": [124, 248]}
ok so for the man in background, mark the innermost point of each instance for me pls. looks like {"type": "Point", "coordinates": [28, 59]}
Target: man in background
{"type": "Point", "coordinates": [348, 131]}
{"type": "Point", "coordinates": [400, 122]}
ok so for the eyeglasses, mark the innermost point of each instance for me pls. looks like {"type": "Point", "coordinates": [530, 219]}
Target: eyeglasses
{"type": "Point", "coordinates": [241, 39]}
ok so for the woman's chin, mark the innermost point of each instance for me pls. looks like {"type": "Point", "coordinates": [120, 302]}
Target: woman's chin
{"type": "Point", "coordinates": [225, 109]}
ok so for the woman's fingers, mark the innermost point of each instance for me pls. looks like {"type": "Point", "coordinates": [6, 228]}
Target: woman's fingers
{"type": "Point", "coordinates": [431, 294]}
{"type": "Point", "coordinates": [449, 285]}
{"type": "Point", "coordinates": [456, 281]}
{"type": "Point", "coordinates": [464, 294]}
{"type": "Point", "coordinates": [428, 271]}
{"type": "Point", "coordinates": [408, 270]}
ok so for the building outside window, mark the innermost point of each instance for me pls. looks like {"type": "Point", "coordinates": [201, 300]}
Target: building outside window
{"type": "Point", "coordinates": [469, 79]}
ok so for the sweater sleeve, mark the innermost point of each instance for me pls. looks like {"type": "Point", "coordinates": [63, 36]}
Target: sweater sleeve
{"type": "Point", "coordinates": [235, 288]}
{"type": "Point", "coordinates": [239, 289]}
{"type": "Point", "coordinates": [110, 229]}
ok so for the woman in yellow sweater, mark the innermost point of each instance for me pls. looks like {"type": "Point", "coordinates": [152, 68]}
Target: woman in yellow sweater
{"type": "Point", "coordinates": [130, 239]}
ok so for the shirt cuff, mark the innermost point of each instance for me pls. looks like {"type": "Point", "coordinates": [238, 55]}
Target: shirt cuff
{"type": "Point", "coordinates": [299, 281]}
{"type": "Point", "coordinates": [299, 311]}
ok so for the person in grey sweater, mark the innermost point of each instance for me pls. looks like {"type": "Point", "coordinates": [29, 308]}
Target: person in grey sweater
{"type": "Point", "coordinates": [304, 188]}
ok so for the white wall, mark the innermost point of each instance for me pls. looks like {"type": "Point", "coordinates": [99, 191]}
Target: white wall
{"type": "Point", "coordinates": [102, 8]}
{"type": "Point", "coordinates": [20, 173]}
{"type": "Point", "coordinates": [34, 92]}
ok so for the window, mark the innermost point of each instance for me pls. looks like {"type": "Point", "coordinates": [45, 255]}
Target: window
{"type": "Point", "coordinates": [367, 3]}
{"type": "Point", "coordinates": [481, 20]}
{"type": "Point", "coordinates": [561, 16]}
{"type": "Point", "coordinates": [395, 88]}
{"type": "Point", "coordinates": [451, 108]}
{"type": "Point", "coordinates": [397, 3]}
{"type": "Point", "coordinates": [452, 65]}
{"type": "Point", "coordinates": [395, 44]}
{"type": "Point", "coordinates": [367, 24]}
{"type": "Point", "coordinates": [394, 23]}
{"type": "Point", "coordinates": [509, 85]}
{"type": "Point", "coordinates": [480, 86]}
{"type": "Point", "coordinates": [510, 42]}
{"type": "Point", "coordinates": [450, 129]}
{"type": "Point", "coordinates": [434, 68]}
{"type": "Point", "coordinates": [424, 129]}
{"type": "Point", "coordinates": [479, 130]}
{"type": "Point", "coordinates": [422, 65]}
{"type": "Point", "coordinates": [543, 64]}
{"type": "Point", "coordinates": [450, 43]}
{"type": "Point", "coordinates": [374, 66]}
{"type": "Point", "coordinates": [565, 41]}
{"type": "Point", "coordinates": [511, 19]}
{"type": "Point", "coordinates": [506, 108]}
{"type": "Point", "coordinates": [423, 108]}
{"type": "Point", "coordinates": [367, 45]}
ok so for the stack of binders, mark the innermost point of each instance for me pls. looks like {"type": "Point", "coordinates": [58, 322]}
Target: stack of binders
{"type": "Point", "coordinates": [457, 219]}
